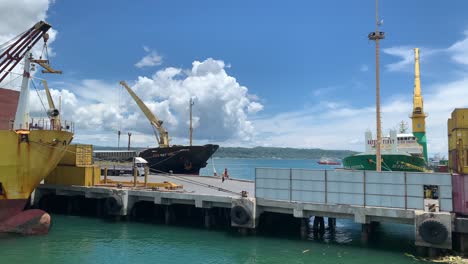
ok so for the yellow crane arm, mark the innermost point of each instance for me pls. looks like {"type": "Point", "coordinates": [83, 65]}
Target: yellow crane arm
{"type": "Point", "coordinates": [155, 122]}
{"type": "Point", "coordinates": [53, 112]}
{"type": "Point", "coordinates": [49, 97]}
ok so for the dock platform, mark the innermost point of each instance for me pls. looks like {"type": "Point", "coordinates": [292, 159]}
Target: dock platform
{"type": "Point", "coordinates": [307, 195]}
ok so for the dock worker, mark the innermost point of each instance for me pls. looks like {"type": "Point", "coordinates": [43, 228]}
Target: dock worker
{"type": "Point", "coordinates": [225, 173]}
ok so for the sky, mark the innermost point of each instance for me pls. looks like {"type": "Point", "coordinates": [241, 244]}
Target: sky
{"type": "Point", "coordinates": [261, 73]}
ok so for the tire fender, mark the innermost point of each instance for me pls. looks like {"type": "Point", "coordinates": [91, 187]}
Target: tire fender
{"type": "Point", "coordinates": [113, 204]}
{"type": "Point", "coordinates": [240, 215]}
{"type": "Point", "coordinates": [433, 231]}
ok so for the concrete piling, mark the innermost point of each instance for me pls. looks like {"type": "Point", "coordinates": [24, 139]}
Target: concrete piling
{"type": "Point", "coordinates": [207, 218]}
{"type": "Point", "coordinates": [331, 223]}
{"type": "Point", "coordinates": [305, 227]}
{"type": "Point", "coordinates": [168, 215]}
{"type": "Point", "coordinates": [319, 225]}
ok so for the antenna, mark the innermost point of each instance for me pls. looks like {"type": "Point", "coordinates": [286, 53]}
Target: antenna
{"type": "Point", "coordinates": [377, 36]}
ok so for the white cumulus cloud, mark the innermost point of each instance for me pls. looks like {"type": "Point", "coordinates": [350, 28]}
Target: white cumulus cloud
{"type": "Point", "coordinates": [222, 110]}
{"type": "Point", "coordinates": [152, 58]}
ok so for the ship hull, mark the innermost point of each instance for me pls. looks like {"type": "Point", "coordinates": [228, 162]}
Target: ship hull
{"type": "Point", "coordinates": [390, 162]}
{"type": "Point", "coordinates": [328, 163]}
{"type": "Point", "coordinates": [28, 222]}
{"type": "Point", "coordinates": [27, 157]}
{"type": "Point", "coordinates": [179, 159]}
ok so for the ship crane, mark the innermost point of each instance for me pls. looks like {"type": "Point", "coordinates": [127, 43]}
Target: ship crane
{"type": "Point", "coordinates": [163, 138]}
{"type": "Point", "coordinates": [418, 116]}
{"type": "Point", "coordinates": [16, 49]}
{"type": "Point", "coordinates": [53, 112]}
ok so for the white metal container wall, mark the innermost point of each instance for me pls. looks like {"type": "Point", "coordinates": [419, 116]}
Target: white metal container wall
{"type": "Point", "coordinates": [273, 183]}
{"type": "Point", "coordinates": [308, 185]}
{"type": "Point", "coordinates": [365, 188]}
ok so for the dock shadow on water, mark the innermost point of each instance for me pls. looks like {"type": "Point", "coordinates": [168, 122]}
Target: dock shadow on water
{"type": "Point", "coordinates": [147, 239]}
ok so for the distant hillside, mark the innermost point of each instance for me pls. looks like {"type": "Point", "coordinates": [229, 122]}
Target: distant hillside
{"type": "Point", "coordinates": [283, 153]}
{"type": "Point", "coordinates": [266, 152]}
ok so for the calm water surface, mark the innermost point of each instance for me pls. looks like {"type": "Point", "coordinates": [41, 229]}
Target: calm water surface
{"type": "Point", "coordinates": [81, 240]}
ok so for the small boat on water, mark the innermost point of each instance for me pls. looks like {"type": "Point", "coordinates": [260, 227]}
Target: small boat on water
{"type": "Point", "coordinates": [329, 161]}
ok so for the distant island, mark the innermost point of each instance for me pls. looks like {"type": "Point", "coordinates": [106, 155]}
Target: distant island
{"type": "Point", "coordinates": [279, 153]}
{"type": "Point", "coordinates": [265, 152]}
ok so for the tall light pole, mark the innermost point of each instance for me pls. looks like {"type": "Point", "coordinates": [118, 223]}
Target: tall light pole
{"type": "Point", "coordinates": [118, 140]}
{"type": "Point", "coordinates": [191, 128]}
{"type": "Point", "coordinates": [376, 36]}
{"type": "Point", "coordinates": [129, 136]}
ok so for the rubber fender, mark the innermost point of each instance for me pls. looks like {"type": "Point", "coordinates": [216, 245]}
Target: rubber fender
{"type": "Point", "coordinates": [240, 215]}
{"type": "Point", "coordinates": [433, 231]}
{"type": "Point", "coordinates": [113, 204]}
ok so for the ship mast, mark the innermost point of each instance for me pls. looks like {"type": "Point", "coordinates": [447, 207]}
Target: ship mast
{"type": "Point", "coordinates": [376, 36]}
{"type": "Point", "coordinates": [191, 127]}
{"type": "Point", "coordinates": [418, 117]}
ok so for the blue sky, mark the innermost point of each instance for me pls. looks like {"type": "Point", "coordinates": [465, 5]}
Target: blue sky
{"type": "Point", "coordinates": [300, 73]}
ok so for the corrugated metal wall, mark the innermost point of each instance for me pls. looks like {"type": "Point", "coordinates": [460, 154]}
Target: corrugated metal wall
{"type": "Point", "coordinates": [364, 188]}
{"type": "Point", "coordinates": [8, 104]}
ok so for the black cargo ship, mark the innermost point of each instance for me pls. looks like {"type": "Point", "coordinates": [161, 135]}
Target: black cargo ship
{"type": "Point", "coordinates": [172, 159]}
{"type": "Point", "coordinates": [178, 159]}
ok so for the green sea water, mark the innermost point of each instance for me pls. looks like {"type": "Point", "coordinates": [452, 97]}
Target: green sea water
{"type": "Point", "coordinates": [75, 239]}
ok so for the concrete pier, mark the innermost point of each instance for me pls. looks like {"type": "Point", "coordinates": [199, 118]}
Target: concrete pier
{"type": "Point", "coordinates": [210, 202]}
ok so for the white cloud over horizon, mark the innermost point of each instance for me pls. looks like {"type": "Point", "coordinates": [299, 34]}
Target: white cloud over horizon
{"type": "Point", "coordinates": [227, 112]}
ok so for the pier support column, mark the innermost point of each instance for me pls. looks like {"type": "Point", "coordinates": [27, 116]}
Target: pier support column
{"type": "Point", "coordinates": [433, 252]}
{"type": "Point", "coordinates": [168, 215]}
{"type": "Point", "coordinates": [421, 251]}
{"type": "Point", "coordinates": [331, 223]}
{"type": "Point", "coordinates": [305, 228]}
{"type": "Point", "coordinates": [460, 242]}
{"type": "Point", "coordinates": [319, 225]}
{"type": "Point", "coordinates": [98, 208]}
{"type": "Point", "coordinates": [69, 205]}
{"type": "Point", "coordinates": [207, 218]}
{"type": "Point", "coordinates": [367, 230]}
{"type": "Point", "coordinates": [243, 231]}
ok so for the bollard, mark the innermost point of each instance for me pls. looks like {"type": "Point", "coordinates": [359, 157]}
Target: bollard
{"type": "Point", "coordinates": [135, 175]}
{"type": "Point", "coordinates": [105, 174]}
{"type": "Point", "coordinates": [146, 175]}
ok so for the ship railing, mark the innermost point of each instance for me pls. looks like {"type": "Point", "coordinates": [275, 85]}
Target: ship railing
{"type": "Point", "coordinates": [50, 124]}
{"type": "Point", "coordinates": [41, 124]}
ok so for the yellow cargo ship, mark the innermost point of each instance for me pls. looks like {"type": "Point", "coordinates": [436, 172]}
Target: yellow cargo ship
{"type": "Point", "coordinates": [30, 150]}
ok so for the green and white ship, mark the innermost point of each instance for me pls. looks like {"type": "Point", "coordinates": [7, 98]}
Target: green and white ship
{"type": "Point", "coordinates": [399, 152]}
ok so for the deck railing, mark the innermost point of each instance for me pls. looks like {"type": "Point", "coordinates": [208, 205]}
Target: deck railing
{"type": "Point", "coordinates": [45, 124]}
